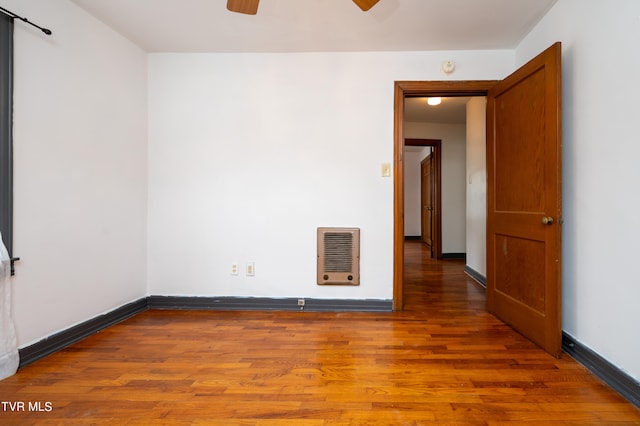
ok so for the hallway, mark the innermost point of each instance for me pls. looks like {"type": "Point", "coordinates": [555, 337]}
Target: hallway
{"type": "Point", "coordinates": [441, 286]}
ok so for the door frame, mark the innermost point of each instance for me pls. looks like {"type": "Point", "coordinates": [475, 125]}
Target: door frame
{"type": "Point", "coordinates": [402, 90]}
{"type": "Point", "coordinates": [436, 156]}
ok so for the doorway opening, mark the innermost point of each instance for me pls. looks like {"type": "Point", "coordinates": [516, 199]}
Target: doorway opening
{"type": "Point", "coordinates": [403, 90]}
{"type": "Point", "coordinates": [423, 205]}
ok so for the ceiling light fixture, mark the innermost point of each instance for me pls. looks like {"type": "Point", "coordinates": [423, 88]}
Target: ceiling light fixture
{"type": "Point", "coordinates": [434, 101]}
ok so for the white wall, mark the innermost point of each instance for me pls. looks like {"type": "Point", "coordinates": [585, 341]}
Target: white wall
{"type": "Point", "coordinates": [601, 64]}
{"type": "Point", "coordinates": [249, 153]}
{"type": "Point", "coordinates": [80, 169]}
{"type": "Point", "coordinates": [476, 184]}
{"type": "Point", "coordinates": [413, 156]}
{"type": "Point", "coordinates": [453, 179]}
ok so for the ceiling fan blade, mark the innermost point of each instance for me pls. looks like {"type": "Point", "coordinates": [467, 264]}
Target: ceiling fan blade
{"type": "Point", "coordinates": [249, 7]}
{"type": "Point", "coordinates": [365, 4]}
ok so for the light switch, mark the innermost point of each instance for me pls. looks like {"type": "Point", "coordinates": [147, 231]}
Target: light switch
{"type": "Point", "coordinates": [386, 169]}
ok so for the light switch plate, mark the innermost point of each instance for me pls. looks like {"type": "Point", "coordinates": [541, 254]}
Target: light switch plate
{"type": "Point", "coordinates": [386, 170]}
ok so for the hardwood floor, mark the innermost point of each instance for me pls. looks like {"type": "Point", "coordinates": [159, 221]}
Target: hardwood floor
{"type": "Point", "coordinates": [444, 360]}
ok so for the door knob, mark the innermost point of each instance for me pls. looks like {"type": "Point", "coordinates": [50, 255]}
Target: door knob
{"type": "Point", "coordinates": [547, 220]}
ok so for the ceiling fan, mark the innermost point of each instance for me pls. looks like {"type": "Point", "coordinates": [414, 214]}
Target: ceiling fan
{"type": "Point", "coordinates": [250, 7]}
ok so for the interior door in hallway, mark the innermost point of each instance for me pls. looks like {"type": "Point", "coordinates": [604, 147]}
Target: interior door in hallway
{"type": "Point", "coordinates": [426, 201]}
{"type": "Point", "coordinates": [524, 200]}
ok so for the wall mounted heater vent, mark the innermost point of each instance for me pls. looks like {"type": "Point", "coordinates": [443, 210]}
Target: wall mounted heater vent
{"type": "Point", "coordinates": [338, 256]}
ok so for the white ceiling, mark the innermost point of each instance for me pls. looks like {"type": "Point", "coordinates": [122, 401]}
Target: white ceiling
{"type": "Point", "coordinates": [452, 110]}
{"type": "Point", "coordinates": [320, 25]}
{"type": "Point", "coordinates": [327, 26]}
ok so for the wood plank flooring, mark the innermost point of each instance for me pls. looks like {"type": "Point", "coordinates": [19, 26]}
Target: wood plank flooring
{"type": "Point", "coordinates": [444, 360]}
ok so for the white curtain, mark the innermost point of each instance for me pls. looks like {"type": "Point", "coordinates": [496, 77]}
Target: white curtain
{"type": "Point", "coordinates": [9, 358]}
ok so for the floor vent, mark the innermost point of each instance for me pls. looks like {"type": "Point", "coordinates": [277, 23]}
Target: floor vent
{"type": "Point", "coordinates": [338, 256]}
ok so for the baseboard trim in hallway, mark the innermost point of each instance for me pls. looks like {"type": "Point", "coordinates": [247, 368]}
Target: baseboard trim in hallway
{"type": "Point", "coordinates": [481, 279]}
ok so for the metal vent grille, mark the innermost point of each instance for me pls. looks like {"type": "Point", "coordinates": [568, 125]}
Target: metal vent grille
{"type": "Point", "coordinates": [339, 256]}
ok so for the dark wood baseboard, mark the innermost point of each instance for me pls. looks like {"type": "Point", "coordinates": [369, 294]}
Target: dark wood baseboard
{"type": "Point", "coordinates": [62, 339]}
{"type": "Point", "coordinates": [446, 256]}
{"type": "Point", "coordinates": [618, 380]}
{"type": "Point", "coordinates": [481, 279]}
{"type": "Point", "coordinates": [269, 304]}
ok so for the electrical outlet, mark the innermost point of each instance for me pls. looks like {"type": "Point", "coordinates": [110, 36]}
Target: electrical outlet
{"type": "Point", "coordinates": [251, 269]}
{"type": "Point", "coordinates": [235, 269]}
{"type": "Point", "coordinates": [301, 302]}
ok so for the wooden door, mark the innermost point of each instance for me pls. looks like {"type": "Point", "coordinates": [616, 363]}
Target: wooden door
{"type": "Point", "coordinates": [426, 201]}
{"type": "Point", "coordinates": [524, 200]}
